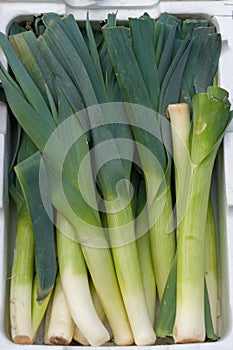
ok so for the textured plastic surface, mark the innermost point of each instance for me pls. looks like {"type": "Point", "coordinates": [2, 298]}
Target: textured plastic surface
{"type": "Point", "coordinates": [220, 13]}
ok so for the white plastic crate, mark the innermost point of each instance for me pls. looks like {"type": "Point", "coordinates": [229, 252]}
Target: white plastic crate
{"type": "Point", "coordinates": [221, 14]}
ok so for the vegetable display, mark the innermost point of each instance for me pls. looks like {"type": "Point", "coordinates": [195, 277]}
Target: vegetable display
{"type": "Point", "coordinates": [118, 129]}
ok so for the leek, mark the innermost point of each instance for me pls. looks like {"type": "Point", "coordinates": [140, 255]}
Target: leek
{"type": "Point", "coordinates": [45, 255]}
{"type": "Point", "coordinates": [59, 326]}
{"type": "Point", "coordinates": [23, 259]}
{"type": "Point", "coordinates": [21, 281]}
{"type": "Point", "coordinates": [211, 116]}
{"type": "Point", "coordinates": [32, 318]}
{"type": "Point", "coordinates": [179, 115]}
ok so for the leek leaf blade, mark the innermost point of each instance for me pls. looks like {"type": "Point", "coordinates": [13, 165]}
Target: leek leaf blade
{"type": "Point", "coordinates": [45, 255]}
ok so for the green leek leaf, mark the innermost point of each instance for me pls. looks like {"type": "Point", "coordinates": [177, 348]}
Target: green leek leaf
{"type": "Point", "coordinates": [30, 90]}
{"type": "Point", "coordinates": [143, 41]}
{"type": "Point", "coordinates": [45, 255]}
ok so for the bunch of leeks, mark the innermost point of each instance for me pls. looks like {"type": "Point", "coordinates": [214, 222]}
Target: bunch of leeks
{"type": "Point", "coordinates": [77, 94]}
{"type": "Point", "coordinates": [171, 71]}
{"type": "Point", "coordinates": [38, 108]}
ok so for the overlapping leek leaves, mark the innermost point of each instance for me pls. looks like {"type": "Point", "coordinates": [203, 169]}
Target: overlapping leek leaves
{"type": "Point", "coordinates": [45, 256]}
{"type": "Point", "coordinates": [84, 97]}
{"type": "Point", "coordinates": [30, 238]}
{"type": "Point", "coordinates": [154, 80]}
{"type": "Point", "coordinates": [144, 249]}
{"type": "Point", "coordinates": [47, 117]}
{"type": "Point", "coordinates": [134, 90]}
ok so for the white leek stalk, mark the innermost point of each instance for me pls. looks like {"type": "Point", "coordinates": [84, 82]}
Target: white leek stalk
{"type": "Point", "coordinates": [21, 281]}
{"type": "Point", "coordinates": [59, 325]}
{"type": "Point", "coordinates": [185, 329]}
{"type": "Point", "coordinates": [75, 285]}
{"type": "Point", "coordinates": [78, 336]}
{"type": "Point", "coordinates": [179, 115]}
{"type": "Point", "coordinates": [97, 303]}
{"type": "Point", "coordinates": [162, 239]}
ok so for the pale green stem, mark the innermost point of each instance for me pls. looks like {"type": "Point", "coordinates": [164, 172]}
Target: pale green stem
{"type": "Point", "coordinates": [144, 250]}
{"type": "Point", "coordinates": [148, 279]}
{"type": "Point", "coordinates": [192, 192]}
{"type": "Point", "coordinates": [125, 255]}
{"type": "Point", "coordinates": [190, 318]}
{"type": "Point", "coordinates": [163, 245]}
{"type": "Point", "coordinates": [160, 216]}
{"type": "Point", "coordinates": [97, 302]}
{"type": "Point", "coordinates": [211, 266]}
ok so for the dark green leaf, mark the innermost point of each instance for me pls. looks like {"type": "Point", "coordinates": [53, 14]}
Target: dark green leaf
{"type": "Point", "coordinates": [129, 76]}
{"type": "Point", "coordinates": [143, 41]}
{"type": "Point", "coordinates": [208, 62]}
{"type": "Point", "coordinates": [45, 254]}
{"type": "Point", "coordinates": [166, 54]}
{"type": "Point", "coordinates": [173, 79]}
